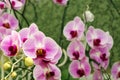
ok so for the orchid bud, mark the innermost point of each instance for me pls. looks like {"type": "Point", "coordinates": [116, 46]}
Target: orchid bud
{"type": "Point", "coordinates": [88, 16]}
{"type": "Point", "coordinates": [28, 61]}
{"type": "Point", "coordinates": [14, 74]}
{"type": "Point", "coordinates": [6, 66]}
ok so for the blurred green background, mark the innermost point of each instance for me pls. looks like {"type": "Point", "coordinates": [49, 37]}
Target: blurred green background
{"type": "Point", "coordinates": [48, 16]}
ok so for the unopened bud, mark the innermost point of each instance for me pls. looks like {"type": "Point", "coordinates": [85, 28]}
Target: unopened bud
{"type": "Point", "coordinates": [7, 66]}
{"type": "Point", "coordinates": [28, 61]}
{"type": "Point", "coordinates": [14, 74]}
{"type": "Point", "coordinates": [88, 16]}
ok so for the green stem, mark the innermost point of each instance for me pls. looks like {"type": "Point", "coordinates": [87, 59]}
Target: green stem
{"type": "Point", "coordinates": [13, 68]}
{"type": "Point", "coordinates": [17, 18]}
{"type": "Point", "coordinates": [23, 17]}
{"type": "Point", "coordinates": [22, 14]}
{"type": "Point", "coordinates": [65, 59]}
{"type": "Point", "coordinates": [62, 24]}
{"type": "Point", "coordinates": [107, 74]}
{"type": "Point", "coordinates": [2, 62]}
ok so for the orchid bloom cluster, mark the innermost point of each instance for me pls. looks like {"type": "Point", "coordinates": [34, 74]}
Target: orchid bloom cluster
{"type": "Point", "coordinates": [14, 4]}
{"type": "Point", "coordinates": [42, 49]}
{"type": "Point", "coordinates": [74, 32]}
{"type": "Point", "coordinates": [100, 43]}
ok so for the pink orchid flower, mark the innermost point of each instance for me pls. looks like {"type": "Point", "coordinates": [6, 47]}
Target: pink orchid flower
{"type": "Point", "coordinates": [76, 50]}
{"type": "Point", "coordinates": [15, 4]}
{"type": "Point", "coordinates": [79, 69]}
{"type": "Point", "coordinates": [50, 73]}
{"type": "Point", "coordinates": [115, 71]}
{"type": "Point", "coordinates": [46, 62]}
{"type": "Point", "coordinates": [8, 21]}
{"type": "Point", "coordinates": [11, 44]}
{"type": "Point", "coordinates": [97, 75]}
{"type": "Point", "coordinates": [74, 29]}
{"type": "Point", "coordinates": [98, 38]}
{"type": "Point", "coordinates": [40, 47]}
{"type": "Point", "coordinates": [101, 56]}
{"type": "Point", "coordinates": [26, 33]}
{"type": "Point", "coordinates": [61, 2]}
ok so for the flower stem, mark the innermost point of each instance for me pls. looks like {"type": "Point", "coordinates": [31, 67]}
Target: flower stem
{"type": "Point", "coordinates": [65, 59]}
{"type": "Point", "coordinates": [107, 74]}
{"type": "Point", "coordinates": [13, 68]}
{"type": "Point", "coordinates": [62, 24]}
{"type": "Point", "coordinates": [22, 14]}
{"type": "Point", "coordinates": [2, 70]}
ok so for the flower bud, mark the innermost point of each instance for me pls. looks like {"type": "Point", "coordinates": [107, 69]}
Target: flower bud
{"type": "Point", "coordinates": [28, 61]}
{"type": "Point", "coordinates": [7, 66]}
{"type": "Point", "coordinates": [88, 16]}
{"type": "Point", "coordinates": [14, 74]}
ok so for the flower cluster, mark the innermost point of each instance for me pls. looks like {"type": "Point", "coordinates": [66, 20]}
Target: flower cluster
{"type": "Point", "coordinates": [100, 42]}
{"type": "Point", "coordinates": [14, 4]}
{"type": "Point", "coordinates": [74, 32]}
{"type": "Point", "coordinates": [43, 50]}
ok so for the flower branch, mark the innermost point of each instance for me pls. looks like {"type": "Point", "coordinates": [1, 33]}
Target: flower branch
{"type": "Point", "coordinates": [62, 24]}
{"type": "Point", "coordinates": [12, 69]}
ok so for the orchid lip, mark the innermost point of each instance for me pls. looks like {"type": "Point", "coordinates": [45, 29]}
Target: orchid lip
{"type": "Point", "coordinates": [60, 1]}
{"type": "Point", "coordinates": [103, 57]}
{"type": "Point", "coordinates": [76, 55]}
{"type": "Point", "coordinates": [80, 72]}
{"type": "Point", "coordinates": [13, 3]}
{"type": "Point", "coordinates": [12, 49]}
{"type": "Point", "coordinates": [6, 25]}
{"type": "Point", "coordinates": [50, 74]}
{"type": "Point", "coordinates": [96, 42]}
{"type": "Point", "coordinates": [1, 6]}
{"type": "Point", "coordinates": [73, 34]}
{"type": "Point", "coordinates": [118, 75]}
{"type": "Point", "coordinates": [24, 40]}
{"type": "Point", "coordinates": [41, 53]}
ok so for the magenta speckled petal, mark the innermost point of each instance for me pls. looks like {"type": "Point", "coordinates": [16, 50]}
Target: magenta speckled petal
{"type": "Point", "coordinates": [115, 71]}
{"type": "Point", "coordinates": [97, 75]}
{"type": "Point", "coordinates": [57, 56]}
{"type": "Point", "coordinates": [76, 50]}
{"type": "Point", "coordinates": [29, 48]}
{"type": "Point", "coordinates": [51, 47]}
{"type": "Point", "coordinates": [74, 66]}
{"type": "Point", "coordinates": [33, 28]}
{"type": "Point", "coordinates": [11, 44]}
{"type": "Point", "coordinates": [8, 21]}
{"type": "Point", "coordinates": [24, 34]}
{"type": "Point", "coordinates": [96, 38]}
{"type": "Point", "coordinates": [74, 29]}
{"type": "Point", "coordinates": [38, 73]}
